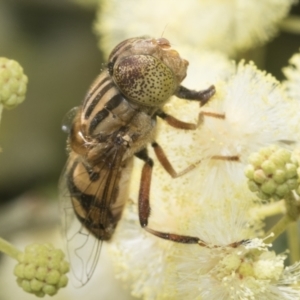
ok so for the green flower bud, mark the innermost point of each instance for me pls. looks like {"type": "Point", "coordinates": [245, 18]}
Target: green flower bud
{"type": "Point", "coordinates": [41, 270]}
{"type": "Point", "coordinates": [36, 285]}
{"type": "Point", "coordinates": [259, 176]}
{"type": "Point", "coordinates": [282, 189]}
{"type": "Point", "coordinates": [292, 183]}
{"type": "Point", "coordinates": [13, 83]}
{"type": "Point", "coordinates": [41, 273]}
{"type": "Point", "coordinates": [253, 187]}
{"type": "Point", "coordinates": [291, 170]}
{"type": "Point", "coordinates": [29, 271]}
{"type": "Point", "coordinates": [53, 277]}
{"type": "Point", "coordinates": [268, 167]}
{"type": "Point", "coordinates": [249, 171]}
{"type": "Point", "coordinates": [269, 187]}
{"type": "Point", "coordinates": [63, 281]}
{"type": "Point", "coordinates": [280, 157]}
{"type": "Point", "coordinates": [49, 290]}
{"type": "Point", "coordinates": [256, 159]}
{"type": "Point", "coordinates": [267, 151]}
{"type": "Point", "coordinates": [263, 196]}
{"type": "Point", "coordinates": [273, 172]}
{"type": "Point", "coordinates": [279, 176]}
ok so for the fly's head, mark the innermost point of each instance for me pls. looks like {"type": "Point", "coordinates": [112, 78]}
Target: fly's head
{"type": "Point", "coordinates": [147, 70]}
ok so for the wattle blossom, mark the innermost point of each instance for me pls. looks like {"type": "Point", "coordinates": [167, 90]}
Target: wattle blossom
{"type": "Point", "coordinates": [231, 25]}
{"type": "Point", "coordinates": [211, 202]}
{"type": "Point", "coordinates": [249, 271]}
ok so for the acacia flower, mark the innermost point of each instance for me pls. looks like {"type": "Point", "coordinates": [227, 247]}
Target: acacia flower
{"type": "Point", "coordinates": [227, 25]}
{"type": "Point", "coordinates": [211, 202]}
{"type": "Point", "coordinates": [247, 272]}
{"type": "Point", "coordinates": [140, 258]}
{"type": "Point", "coordinates": [249, 111]}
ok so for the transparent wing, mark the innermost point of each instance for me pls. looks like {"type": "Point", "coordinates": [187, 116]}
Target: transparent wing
{"type": "Point", "coordinates": [89, 210]}
{"type": "Point", "coordinates": [68, 119]}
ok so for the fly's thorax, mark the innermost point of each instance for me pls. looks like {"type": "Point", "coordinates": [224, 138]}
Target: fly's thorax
{"type": "Point", "coordinates": [127, 140]}
{"type": "Point", "coordinates": [141, 131]}
{"type": "Point", "coordinates": [148, 71]}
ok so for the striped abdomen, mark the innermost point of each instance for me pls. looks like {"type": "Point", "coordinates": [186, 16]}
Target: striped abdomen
{"type": "Point", "coordinates": [98, 195]}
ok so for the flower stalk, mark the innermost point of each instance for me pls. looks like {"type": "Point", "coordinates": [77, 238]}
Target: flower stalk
{"type": "Point", "coordinates": [291, 216]}
{"type": "Point", "coordinates": [9, 249]}
{"type": "Point", "coordinates": [293, 243]}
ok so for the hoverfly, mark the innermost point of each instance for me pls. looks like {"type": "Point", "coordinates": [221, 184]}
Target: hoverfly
{"type": "Point", "coordinates": [115, 122]}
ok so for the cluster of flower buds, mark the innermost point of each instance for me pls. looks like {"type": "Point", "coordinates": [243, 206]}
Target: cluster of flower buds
{"type": "Point", "coordinates": [41, 270]}
{"type": "Point", "coordinates": [13, 83]}
{"type": "Point", "coordinates": [272, 173]}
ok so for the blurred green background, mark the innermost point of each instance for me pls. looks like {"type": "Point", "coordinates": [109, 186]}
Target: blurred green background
{"type": "Point", "coordinates": [54, 43]}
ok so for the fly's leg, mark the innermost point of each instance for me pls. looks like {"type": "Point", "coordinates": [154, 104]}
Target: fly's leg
{"type": "Point", "coordinates": [145, 209]}
{"type": "Point", "coordinates": [164, 161]}
{"type": "Point", "coordinates": [174, 122]}
{"type": "Point", "coordinates": [201, 96]}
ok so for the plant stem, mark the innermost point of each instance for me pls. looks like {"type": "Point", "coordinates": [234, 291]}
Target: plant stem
{"type": "Point", "coordinates": [278, 229]}
{"type": "Point", "coordinates": [8, 249]}
{"type": "Point", "coordinates": [293, 242]}
{"type": "Point", "coordinates": [292, 214]}
{"type": "Point", "coordinates": [269, 210]}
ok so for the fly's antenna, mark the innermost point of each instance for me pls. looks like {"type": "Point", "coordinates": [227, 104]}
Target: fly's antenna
{"type": "Point", "coordinates": [162, 34]}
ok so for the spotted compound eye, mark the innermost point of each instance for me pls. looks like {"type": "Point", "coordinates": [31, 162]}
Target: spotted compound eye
{"type": "Point", "coordinates": [144, 79]}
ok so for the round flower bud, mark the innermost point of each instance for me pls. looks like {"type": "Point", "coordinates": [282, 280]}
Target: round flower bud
{"type": "Point", "coordinates": [13, 83]}
{"type": "Point", "coordinates": [41, 270]}
{"type": "Point", "coordinates": [268, 167]}
{"type": "Point", "coordinates": [268, 187]}
{"type": "Point", "coordinates": [272, 173]}
{"type": "Point", "coordinates": [279, 176]}
{"type": "Point", "coordinates": [259, 176]}
{"type": "Point", "coordinates": [256, 159]}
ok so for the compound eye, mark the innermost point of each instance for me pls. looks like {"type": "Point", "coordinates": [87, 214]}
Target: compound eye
{"type": "Point", "coordinates": [163, 43]}
{"type": "Point", "coordinates": [144, 79]}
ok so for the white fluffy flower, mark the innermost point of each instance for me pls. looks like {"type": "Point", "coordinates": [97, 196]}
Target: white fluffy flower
{"type": "Point", "coordinates": [142, 260]}
{"type": "Point", "coordinates": [211, 202]}
{"type": "Point", "coordinates": [229, 25]}
{"type": "Point", "coordinates": [248, 272]}
{"type": "Point", "coordinates": [139, 257]}
{"type": "Point", "coordinates": [255, 113]}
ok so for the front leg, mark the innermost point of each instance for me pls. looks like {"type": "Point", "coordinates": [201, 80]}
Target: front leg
{"type": "Point", "coordinates": [176, 123]}
{"type": "Point", "coordinates": [201, 96]}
